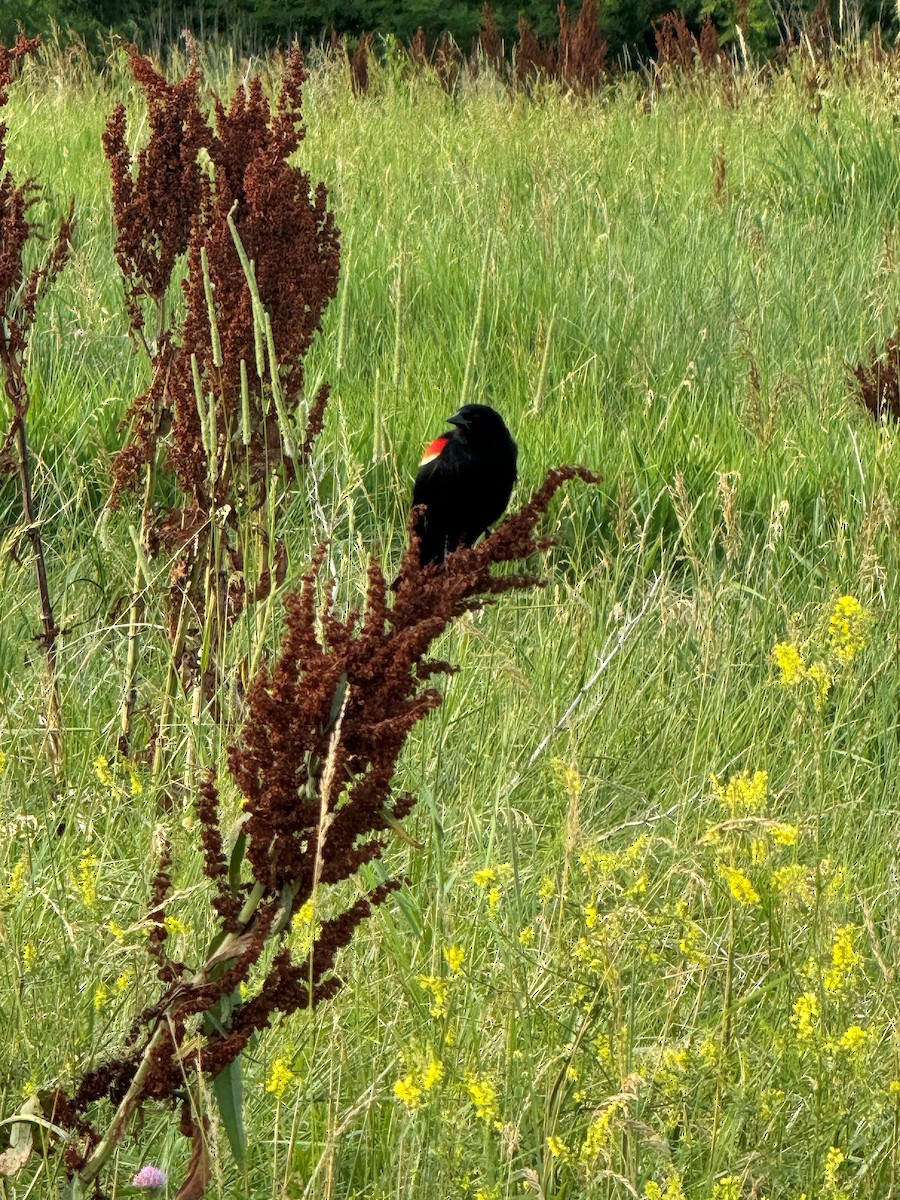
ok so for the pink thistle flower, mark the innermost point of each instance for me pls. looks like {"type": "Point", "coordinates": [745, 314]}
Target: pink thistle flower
{"type": "Point", "coordinates": [149, 1177]}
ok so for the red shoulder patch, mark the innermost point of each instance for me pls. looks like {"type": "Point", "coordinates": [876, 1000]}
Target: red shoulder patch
{"type": "Point", "coordinates": [433, 449]}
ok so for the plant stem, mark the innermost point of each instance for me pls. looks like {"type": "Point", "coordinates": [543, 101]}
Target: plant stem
{"type": "Point", "coordinates": [136, 615]}
{"type": "Point", "coordinates": [50, 631]}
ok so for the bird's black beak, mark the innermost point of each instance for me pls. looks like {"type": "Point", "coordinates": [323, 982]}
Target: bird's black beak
{"type": "Point", "coordinates": [457, 420]}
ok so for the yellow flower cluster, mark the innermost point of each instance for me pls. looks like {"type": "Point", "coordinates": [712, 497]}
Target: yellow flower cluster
{"type": "Point", "coordinates": [281, 1077]}
{"type": "Point", "coordinates": [16, 885]}
{"type": "Point", "coordinates": [739, 885]}
{"type": "Point", "coordinates": [790, 662]}
{"type": "Point", "coordinates": [833, 1160]}
{"type": "Point", "coordinates": [673, 1189]}
{"type": "Point", "coordinates": [86, 883]}
{"type": "Point", "coordinates": [745, 792]}
{"type": "Point", "coordinates": [785, 835]}
{"type": "Point", "coordinates": [438, 989]}
{"type": "Point", "coordinates": [568, 776]}
{"type": "Point", "coordinates": [792, 883]}
{"type": "Point", "coordinates": [547, 890]}
{"type": "Point", "coordinates": [727, 1188]}
{"type": "Point", "coordinates": [844, 960]}
{"type": "Point", "coordinates": [805, 1016]}
{"type": "Point", "coordinates": [483, 1095]}
{"type": "Point", "coordinates": [597, 1136]}
{"type": "Point", "coordinates": [854, 1039]}
{"type": "Point", "coordinates": [454, 956]}
{"type": "Point", "coordinates": [411, 1089]}
{"type": "Point", "coordinates": [848, 628]}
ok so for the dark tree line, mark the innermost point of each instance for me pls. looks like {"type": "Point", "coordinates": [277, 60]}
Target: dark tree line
{"type": "Point", "coordinates": [626, 25]}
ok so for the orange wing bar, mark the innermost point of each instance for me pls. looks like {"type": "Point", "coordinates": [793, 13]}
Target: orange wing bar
{"type": "Point", "coordinates": [433, 450]}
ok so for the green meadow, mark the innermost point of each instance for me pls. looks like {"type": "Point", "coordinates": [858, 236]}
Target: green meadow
{"type": "Point", "coordinates": [651, 945]}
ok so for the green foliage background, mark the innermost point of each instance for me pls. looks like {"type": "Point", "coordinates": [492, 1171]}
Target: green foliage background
{"type": "Point", "coordinates": [690, 341]}
{"type": "Point", "coordinates": [627, 25]}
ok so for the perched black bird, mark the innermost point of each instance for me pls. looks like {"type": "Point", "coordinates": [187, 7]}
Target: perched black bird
{"type": "Point", "coordinates": [465, 480]}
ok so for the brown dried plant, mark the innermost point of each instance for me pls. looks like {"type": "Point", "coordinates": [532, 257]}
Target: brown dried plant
{"type": "Point", "coordinates": [315, 763]}
{"type": "Point", "coordinates": [489, 43]}
{"type": "Point", "coordinates": [532, 60]}
{"type": "Point", "coordinates": [877, 380]}
{"type": "Point", "coordinates": [676, 46]}
{"type": "Point", "coordinates": [20, 291]}
{"type": "Point", "coordinates": [581, 50]}
{"type": "Point", "coordinates": [226, 406]}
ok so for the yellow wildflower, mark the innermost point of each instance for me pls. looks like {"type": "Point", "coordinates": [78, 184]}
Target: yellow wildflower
{"type": "Point", "coordinates": [485, 876]}
{"type": "Point", "coordinates": [123, 982]}
{"type": "Point", "coordinates": [491, 1193]}
{"type": "Point", "coordinates": [494, 899]}
{"type": "Point", "coordinates": [483, 1095]}
{"type": "Point", "coordinates": [745, 792]}
{"type": "Point", "coordinates": [785, 835]}
{"type": "Point", "coordinates": [848, 628]}
{"type": "Point", "coordinates": [568, 776]}
{"type": "Point", "coordinates": [727, 1188]}
{"type": "Point", "coordinates": [894, 1087]}
{"type": "Point", "coordinates": [854, 1039]}
{"type": "Point", "coordinates": [738, 884]}
{"type": "Point", "coordinates": [557, 1147]}
{"type": "Point", "coordinates": [29, 955]}
{"type": "Point", "coordinates": [805, 1015]}
{"type": "Point", "coordinates": [598, 1132]}
{"type": "Point", "coordinates": [547, 890]}
{"type": "Point", "coordinates": [438, 989]}
{"type": "Point", "coordinates": [174, 926]}
{"type": "Point", "coordinates": [790, 662]}
{"type": "Point", "coordinates": [672, 1191]}
{"type": "Point", "coordinates": [821, 680]}
{"type": "Point", "coordinates": [833, 1160]}
{"type": "Point", "coordinates": [100, 995]}
{"type": "Point", "coordinates": [101, 766]}
{"type": "Point", "coordinates": [86, 884]}
{"type": "Point", "coordinates": [433, 1074]}
{"type": "Point", "coordinates": [526, 935]}
{"type": "Point", "coordinates": [2, 761]}
{"type": "Point", "coordinates": [691, 945]}
{"type": "Point", "coordinates": [454, 956]}
{"type": "Point", "coordinates": [116, 930]}
{"type": "Point", "coordinates": [17, 879]}
{"type": "Point", "coordinates": [845, 959]}
{"type": "Point", "coordinates": [280, 1078]}
{"type": "Point", "coordinates": [590, 915]}
{"type": "Point", "coordinates": [758, 851]}
{"type": "Point", "coordinates": [791, 883]}
{"type": "Point", "coordinates": [709, 1053]}
{"type": "Point", "coordinates": [407, 1090]}
{"type": "Point", "coordinates": [843, 955]}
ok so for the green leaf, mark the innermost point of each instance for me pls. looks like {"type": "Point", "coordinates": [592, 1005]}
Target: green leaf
{"type": "Point", "coordinates": [228, 1089]}
{"type": "Point", "coordinates": [236, 860]}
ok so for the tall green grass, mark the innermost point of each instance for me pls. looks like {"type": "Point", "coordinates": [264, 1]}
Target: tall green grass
{"type": "Point", "coordinates": [636, 1022]}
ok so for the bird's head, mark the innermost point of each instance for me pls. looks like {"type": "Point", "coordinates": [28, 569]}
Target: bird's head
{"type": "Point", "coordinates": [478, 418]}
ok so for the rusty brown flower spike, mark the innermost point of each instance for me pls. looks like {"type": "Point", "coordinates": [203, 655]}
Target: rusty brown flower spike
{"type": "Point", "coordinates": [315, 764]}
{"type": "Point", "coordinates": [18, 301]}
{"type": "Point", "coordinates": [166, 206]}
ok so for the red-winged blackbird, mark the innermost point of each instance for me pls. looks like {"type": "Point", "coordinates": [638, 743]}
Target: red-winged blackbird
{"type": "Point", "coordinates": [465, 480]}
